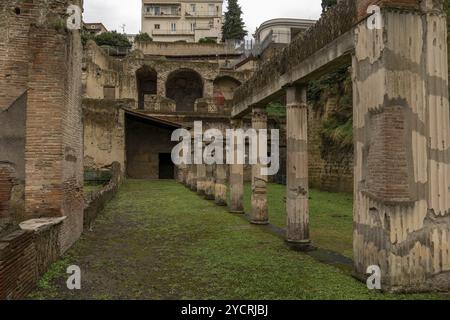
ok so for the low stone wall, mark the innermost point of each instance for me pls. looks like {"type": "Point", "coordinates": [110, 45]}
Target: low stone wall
{"type": "Point", "coordinates": [95, 201]}
{"type": "Point", "coordinates": [25, 255]}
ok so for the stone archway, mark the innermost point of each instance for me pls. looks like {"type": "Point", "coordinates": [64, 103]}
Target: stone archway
{"type": "Point", "coordinates": [184, 86]}
{"type": "Point", "coordinates": [146, 79]}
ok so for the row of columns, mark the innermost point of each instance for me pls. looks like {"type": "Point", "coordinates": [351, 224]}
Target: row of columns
{"type": "Point", "coordinates": [215, 182]}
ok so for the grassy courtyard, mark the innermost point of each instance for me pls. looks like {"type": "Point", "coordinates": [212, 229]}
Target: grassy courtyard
{"type": "Point", "coordinates": [331, 216]}
{"type": "Point", "coordinates": [157, 240]}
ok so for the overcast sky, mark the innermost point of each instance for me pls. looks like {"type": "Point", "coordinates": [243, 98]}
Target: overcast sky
{"type": "Point", "coordinates": [115, 13]}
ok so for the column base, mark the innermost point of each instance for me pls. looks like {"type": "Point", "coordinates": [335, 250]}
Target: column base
{"type": "Point", "coordinates": [300, 245]}
{"type": "Point", "coordinates": [209, 197]}
{"type": "Point", "coordinates": [221, 203]}
{"type": "Point", "coordinates": [259, 223]}
{"type": "Point", "coordinates": [236, 211]}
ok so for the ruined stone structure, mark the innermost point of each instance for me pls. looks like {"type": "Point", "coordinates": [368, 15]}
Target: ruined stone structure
{"type": "Point", "coordinates": [401, 123]}
{"type": "Point", "coordinates": [40, 108]}
{"type": "Point", "coordinates": [163, 91]}
{"type": "Point", "coordinates": [130, 107]}
{"type": "Point", "coordinates": [41, 143]}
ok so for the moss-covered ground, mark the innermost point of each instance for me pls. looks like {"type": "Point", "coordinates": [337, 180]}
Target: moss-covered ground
{"type": "Point", "coordinates": [157, 240]}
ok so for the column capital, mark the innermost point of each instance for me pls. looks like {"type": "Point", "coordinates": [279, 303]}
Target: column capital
{"type": "Point", "coordinates": [236, 123]}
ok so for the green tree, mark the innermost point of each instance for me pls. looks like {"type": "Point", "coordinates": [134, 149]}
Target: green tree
{"type": "Point", "coordinates": [113, 39]}
{"type": "Point", "coordinates": [142, 37]}
{"type": "Point", "coordinates": [234, 26]}
{"type": "Point", "coordinates": [207, 40]}
{"type": "Point", "coordinates": [327, 4]}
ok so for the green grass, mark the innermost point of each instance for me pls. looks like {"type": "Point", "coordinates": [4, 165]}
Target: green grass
{"type": "Point", "coordinates": [157, 240]}
{"type": "Point", "coordinates": [331, 216]}
{"type": "Point", "coordinates": [88, 188]}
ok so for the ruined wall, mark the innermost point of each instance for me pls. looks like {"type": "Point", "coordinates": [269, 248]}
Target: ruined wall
{"type": "Point", "coordinates": [12, 163]}
{"type": "Point", "coordinates": [326, 172]}
{"type": "Point", "coordinates": [144, 143]}
{"type": "Point", "coordinates": [25, 256]}
{"type": "Point", "coordinates": [41, 55]}
{"type": "Point", "coordinates": [100, 70]}
{"type": "Point", "coordinates": [15, 17]}
{"type": "Point", "coordinates": [104, 132]}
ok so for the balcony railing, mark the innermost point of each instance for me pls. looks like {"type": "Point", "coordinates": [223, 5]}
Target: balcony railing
{"type": "Point", "coordinates": [163, 14]}
{"type": "Point", "coordinates": [168, 32]}
{"type": "Point", "coordinates": [202, 14]}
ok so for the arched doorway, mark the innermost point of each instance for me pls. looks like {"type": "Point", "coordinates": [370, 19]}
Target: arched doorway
{"type": "Point", "coordinates": [184, 86]}
{"type": "Point", "coordinates": [146, 79]}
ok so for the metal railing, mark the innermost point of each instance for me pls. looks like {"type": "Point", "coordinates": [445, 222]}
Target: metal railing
{"type": "Point", "coordinates": [201, 14]}
{"type": "Point", "coordinates": [168, 32]}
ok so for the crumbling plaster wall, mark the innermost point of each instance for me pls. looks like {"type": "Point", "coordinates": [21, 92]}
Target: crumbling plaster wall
{"type": "Point", "coordinates": [100, 70]}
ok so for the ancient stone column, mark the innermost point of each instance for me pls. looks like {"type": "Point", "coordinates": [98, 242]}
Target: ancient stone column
{"type": "Point", "coordinates": [402, 143]}
{"type": "Point", "coordinates": [297, 204]}
{"type": "Point", "coordinates": [236, 204]}
{"type": "Point", "coordinates": [209, 183]}
{"type": "Point", "coordinates": [201, 177]}
{"type": "Point", "coordinates": [259, 213]}
{"type": "Point", "coordinates": [193, 182]}
{"type": "Point", "coordinates": [220, 187]}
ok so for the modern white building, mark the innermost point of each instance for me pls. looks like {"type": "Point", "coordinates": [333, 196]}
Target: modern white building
{"type": "Point", "coordinates": [182, 20]}
{"type": "Point", "coordinates": [277, 33]}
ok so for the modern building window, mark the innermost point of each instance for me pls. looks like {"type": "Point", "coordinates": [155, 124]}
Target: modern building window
{"type": "Point", "coordinates": [193, 7]}
{"type": "Point", "coordinates": [211, 9]}
{"type": "Point", "coordinates": [193, 26]}
{"type": "Point", "coordinates": [157, 11]}
{"type": "Point", "coordinates": [157, 26]}
{"type": "Point", "coordinates": [173, 27]}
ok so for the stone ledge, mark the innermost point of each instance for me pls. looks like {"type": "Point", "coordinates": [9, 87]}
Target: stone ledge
{"type": "Point", "coordinates": [41, 224]}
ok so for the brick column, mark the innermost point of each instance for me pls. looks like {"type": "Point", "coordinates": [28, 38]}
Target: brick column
{"type": "Point", "coordinates": [402, 143]}
{"type": "Point", "coordinates": [297, 205]}
{"type": "Point", "coordinates": [236, 204]}
{"type": "Point", "coordinates": [220, 187]}
{"type": "Point", "coordinates": [259, 213]}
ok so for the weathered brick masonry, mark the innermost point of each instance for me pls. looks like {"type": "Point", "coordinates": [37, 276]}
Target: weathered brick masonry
{"type": "Point", "coordinates": [40, 137]}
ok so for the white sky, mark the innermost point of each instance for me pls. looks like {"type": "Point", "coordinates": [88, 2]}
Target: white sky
{"type": "Point", "coordinates": [114, 13]}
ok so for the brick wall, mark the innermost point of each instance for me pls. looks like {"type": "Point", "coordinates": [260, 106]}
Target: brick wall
{"type": "Point", "coordinates": [25, 256]}
{"type": "Point", "coordinates": [6, 185]}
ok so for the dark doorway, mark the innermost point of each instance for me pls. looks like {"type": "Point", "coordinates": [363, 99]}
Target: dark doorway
{"type": "Point", "coordinates": [147, 84]}
{"type": "Point", "coordinates": [185, 87]}
{"type": "Point", "coordinates": [166, 167]}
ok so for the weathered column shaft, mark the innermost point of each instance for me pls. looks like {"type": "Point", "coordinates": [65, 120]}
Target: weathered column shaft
{"type": "Point", "coordinates": [220, 187]}
{"type": "Point", "coordinates": [193, 182]}
{"type": "Point", "coordinates": [260, 213]}
{"type": "Point", "coordinates": [402, 144]}
{"type": "Point", "coordinates": [209, 183]}
{"type": "Point", "coordinates": [236, 204]}
{"type": "Point", "coordinates": [201, 177]}
{"type": "Point", "coordinates": [297, 205]}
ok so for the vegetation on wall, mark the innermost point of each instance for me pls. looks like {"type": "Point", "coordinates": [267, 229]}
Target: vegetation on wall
{"type": "Point", "coordinates": [207, 40]}
{"type": "Point", "coordinates": [327, 4]}
{"type": "Point", "coordinates": [143, 37]}
{"type": "Point", "coordinates": [110, 38]}
{"type": "Point", "coordinates": [337, 126]}
{"type": "Point", "coordinates": [233, 27]}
